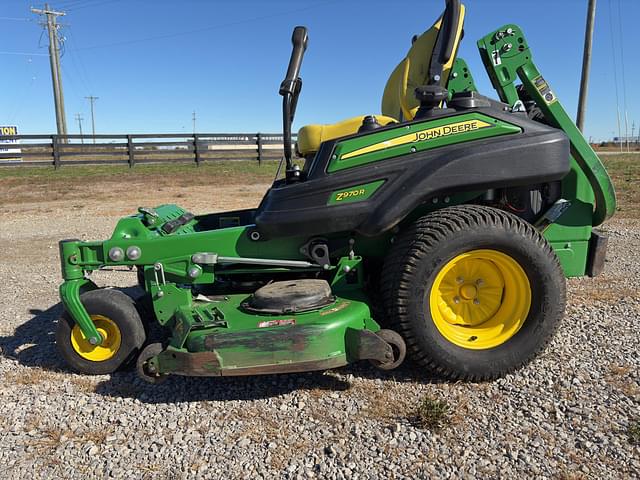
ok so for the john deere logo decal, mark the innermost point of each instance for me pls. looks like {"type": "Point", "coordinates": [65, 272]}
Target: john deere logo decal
{"type": "Point", "coordinates": [422, 136]}
{"type": "Point", "coordinates": [452, 129]}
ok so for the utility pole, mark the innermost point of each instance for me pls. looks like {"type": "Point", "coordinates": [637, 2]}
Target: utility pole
{"type": "Point", "coordinates": [193, 117]}
{"type": "Point", "coordinates": [626, 129]}
{"type": "Point", "coordinates": [586, 64]}
{"type": "Point", "coordinates": [92, 99]}
{"type": "Point", "coordinates": [79, 120]}
{"type": "Point", "coordinates": [54, 59]}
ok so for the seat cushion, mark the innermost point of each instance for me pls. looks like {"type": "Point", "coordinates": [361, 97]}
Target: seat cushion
{"type": "Point", "coordinates": [311, 136]}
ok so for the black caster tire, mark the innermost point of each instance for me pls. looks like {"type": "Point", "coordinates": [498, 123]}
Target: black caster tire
{"type": "Point", "coordinates": [397, 345]}
{"type": "Point", "coordinates": [145, 372]}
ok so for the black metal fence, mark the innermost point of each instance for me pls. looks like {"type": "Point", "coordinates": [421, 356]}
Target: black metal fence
{"type": "Point", "coordinates": [132, 149]}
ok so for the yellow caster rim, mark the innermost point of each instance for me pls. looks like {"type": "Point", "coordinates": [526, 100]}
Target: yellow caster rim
{"type": "Point", "coordinates": [480, 299]}
{"type": "Point", "coordinates": [97, 353]}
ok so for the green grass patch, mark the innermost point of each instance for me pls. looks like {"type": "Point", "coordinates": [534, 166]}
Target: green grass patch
{"type": "Point", "coordinates": [209, 169]}
{"type": "Point", "coordinates": [432, 414]}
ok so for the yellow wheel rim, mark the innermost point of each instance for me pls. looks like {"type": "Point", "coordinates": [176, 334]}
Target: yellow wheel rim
{"type": "Point", "coordinates": [480, 299]}
{"type": "Point", "coordinates": [97, 353]}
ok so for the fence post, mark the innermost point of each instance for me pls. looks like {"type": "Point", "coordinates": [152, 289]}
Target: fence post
{"type": "Point", "coordinates": [56, 151]}
{"type": "Point", "coordinates": [259, 142]}
{"type": "Point", "coordinates": [196, 150]}
{"type": "Point", "coordinates": [131, 151]}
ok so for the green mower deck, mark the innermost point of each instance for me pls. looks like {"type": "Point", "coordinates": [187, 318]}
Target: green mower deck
{"type": "Point", "coordinates": [445, 233]}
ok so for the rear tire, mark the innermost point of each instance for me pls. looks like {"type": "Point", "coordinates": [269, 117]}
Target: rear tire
{"type": "Point", "coordinates": [118, 321]}
{"type": "Point", "coordinates": [473, 328]}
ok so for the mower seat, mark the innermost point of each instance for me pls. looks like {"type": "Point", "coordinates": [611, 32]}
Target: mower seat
{"type": "Point", "coordinates": [311, 136]}
{"type": "Point", "coordinates": [398, 101]}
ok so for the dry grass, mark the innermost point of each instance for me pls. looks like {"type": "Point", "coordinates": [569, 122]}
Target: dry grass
{"type": "Point", "coordinates": [37, 376]}
{"type": "Point", "coordinates": [46, 457]}
{"type": "Point", "coordinates": [29, 376]}
{"type": "Point", "coordinates": [82, 383]}
{"type": "Point", "coordinates": [619, 377]}
{"type": "Point", "coordinates": [625, 173]}
{"type": "Point", "coordinates": [97, 436]}
{"type": "Point", "coordinates": [45, 439]}
{"type": "Point", "coordinates": [619, 370]}
{"type": "Point", "coordinates": [604, 288]}
{"type": "Point", "coordinates": [386, 402]}
{"type": "Point", "coordinates": [27, 184]}
{"type": "Point", "coordinates": [49, 437]}
{"type": "Point", "coordinates": [153, 471]}
{"type": "Point", "coordinates": [52, 437]}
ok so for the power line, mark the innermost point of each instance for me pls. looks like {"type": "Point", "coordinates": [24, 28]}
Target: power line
{"type": "Point", "coordinates": [615, 71]}
{"type": "Point", "coordinates": [88, 4]}
{"type": "Point", "coordinates": [624, 82]}
{"type": "Point", "coordinates": [211, 27]}
{"type": "Point", "coordinates": [26, 54]}
{"type": "Point", "coordinates": [16, 19]}
{"type": "Point", "coordinates": [78, 64]}
{"type": "Point", "coordinates": [74, 86]}
{"type": "Point", "coordinates": [70, 3]}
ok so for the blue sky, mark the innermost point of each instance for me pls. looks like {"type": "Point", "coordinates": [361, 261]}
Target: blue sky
{"type": "Point", "coordinates": [151, 63]}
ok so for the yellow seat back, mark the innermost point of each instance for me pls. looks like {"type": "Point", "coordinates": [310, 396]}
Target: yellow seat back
{"type": "Point", "coordinates": [398, 100]}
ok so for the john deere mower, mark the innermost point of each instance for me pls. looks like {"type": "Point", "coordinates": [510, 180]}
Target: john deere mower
{"type": "Point", "coordinates": [443, 227]}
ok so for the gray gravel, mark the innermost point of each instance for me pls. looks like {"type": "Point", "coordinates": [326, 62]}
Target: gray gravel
{"type": "Point", "coordinates": [564, 416]}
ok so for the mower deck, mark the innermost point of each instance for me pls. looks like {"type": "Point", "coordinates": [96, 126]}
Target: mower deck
{"type": "Point", "coordinates": [248, 343]}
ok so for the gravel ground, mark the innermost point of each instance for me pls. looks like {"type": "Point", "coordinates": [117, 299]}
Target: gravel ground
{"type": "Point", "coordinates": [564, 416]}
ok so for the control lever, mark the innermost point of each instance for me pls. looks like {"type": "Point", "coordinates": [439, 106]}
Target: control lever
{"type": "Point", "coordinates": [290, 90]}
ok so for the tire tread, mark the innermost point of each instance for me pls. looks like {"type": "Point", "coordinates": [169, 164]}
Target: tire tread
{"type": "Point", "coordinates": [422, 237]}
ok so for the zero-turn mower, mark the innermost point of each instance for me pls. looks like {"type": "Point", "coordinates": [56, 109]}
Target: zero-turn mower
{"type": "Point", "coordinates": [443, 228]}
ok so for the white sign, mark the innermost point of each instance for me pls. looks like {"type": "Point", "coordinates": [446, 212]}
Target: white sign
{"type": "Point", "coordinates": [9, 130]}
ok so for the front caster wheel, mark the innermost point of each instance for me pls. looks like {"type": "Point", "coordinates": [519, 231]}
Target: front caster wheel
{"type": "Point", "coordinates": [116, 318]}
{"type": "Point", "coordinates": [397, 345]}
{"type": "Point", "coordinates": [147, 369]}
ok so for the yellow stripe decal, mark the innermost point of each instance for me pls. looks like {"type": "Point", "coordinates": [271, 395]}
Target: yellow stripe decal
{"type": "Point", "coordinates": [421, 136]}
